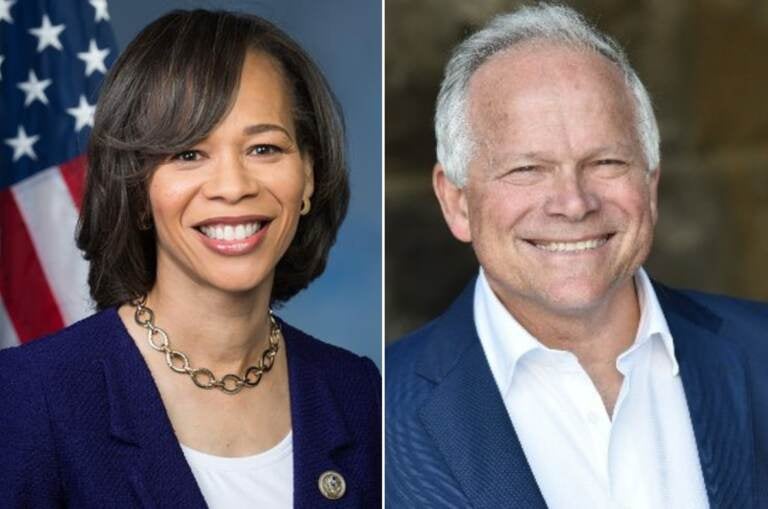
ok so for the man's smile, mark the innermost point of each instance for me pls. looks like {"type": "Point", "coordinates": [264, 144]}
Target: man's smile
{"type": "Point", "coordinates": [570, 246]}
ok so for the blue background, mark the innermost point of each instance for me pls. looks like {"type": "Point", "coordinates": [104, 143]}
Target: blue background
{"type": "Point", "coordinates": [343, 306]}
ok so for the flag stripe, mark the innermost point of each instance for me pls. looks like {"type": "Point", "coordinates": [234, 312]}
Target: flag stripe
{"type": "Point", "coordinates": [7, 334]}
{"type": "Point", "coordinates": [74, 176]}
{"type": "Point", "coordinates": [52, 229]}
{"type": "Point", "coordinates": [28, 301]}
{"type": "Point", "coordinates": [46, 117]}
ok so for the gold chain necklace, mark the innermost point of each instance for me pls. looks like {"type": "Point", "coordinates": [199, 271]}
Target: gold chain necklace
{"type": "Point", "coordinates": [204, 377]}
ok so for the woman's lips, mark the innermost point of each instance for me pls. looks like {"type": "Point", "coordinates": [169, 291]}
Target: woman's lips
{"type": "Point", "coordinates": [232, 239]}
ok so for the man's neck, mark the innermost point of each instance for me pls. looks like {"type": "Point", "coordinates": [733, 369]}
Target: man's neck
{"type": "Point", "coordinates": [596, 337]}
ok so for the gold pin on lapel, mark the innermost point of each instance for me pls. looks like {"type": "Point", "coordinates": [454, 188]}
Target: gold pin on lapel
{"type": "Point", "coordinates": [332, 485]}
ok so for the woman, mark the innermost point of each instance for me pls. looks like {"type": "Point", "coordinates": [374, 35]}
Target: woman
{"type": "Point", "coordinates": [216, 185]}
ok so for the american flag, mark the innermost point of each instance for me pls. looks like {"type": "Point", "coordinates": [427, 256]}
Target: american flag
{"type": "Point", "coordinates": [53, 57]}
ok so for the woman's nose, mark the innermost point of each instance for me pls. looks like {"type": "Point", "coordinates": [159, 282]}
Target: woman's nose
{"type": "Point", "coordinates": [230, 181]}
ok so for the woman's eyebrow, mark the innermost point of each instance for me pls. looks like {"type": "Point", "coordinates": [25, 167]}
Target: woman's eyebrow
{"type": "Point", "coordinates": [261, 128]}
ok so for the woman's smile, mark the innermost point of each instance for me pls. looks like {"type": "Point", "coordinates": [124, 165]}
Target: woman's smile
{"type": "Point", "coordinates": [235, 238]}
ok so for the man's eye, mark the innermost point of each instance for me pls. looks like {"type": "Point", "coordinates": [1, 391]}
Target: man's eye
{"type": "Point", "coordinates": [266, 150]}
{"type": "Point", "coordinates": [523, 175]}
{"type": "Point", "coordinates": [186, 155]}
{"type": "Point", "coordinates": [610, 162]}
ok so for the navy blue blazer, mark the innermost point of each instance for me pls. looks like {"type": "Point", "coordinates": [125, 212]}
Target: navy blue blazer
{"type": "Point", "coordinates": [450, 442]}
{"type": "Point", "coordinates": [82, 424]}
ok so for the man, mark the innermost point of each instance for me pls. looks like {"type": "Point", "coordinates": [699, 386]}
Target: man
{"type": "Point", "coordinates": [562, 376]}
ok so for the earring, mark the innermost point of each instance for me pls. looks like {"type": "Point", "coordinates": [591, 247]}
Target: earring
{"type": "Point", "coordinates": [306, 206]}
{"type": "Point", "coordinates": [145, 221]}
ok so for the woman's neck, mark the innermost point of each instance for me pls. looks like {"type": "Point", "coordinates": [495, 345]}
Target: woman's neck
{"type": "Point", "coordinates": [223, 331]}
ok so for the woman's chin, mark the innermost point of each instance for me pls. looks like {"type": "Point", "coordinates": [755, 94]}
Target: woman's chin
{"type": "Point", "coordinates": [237, 283]}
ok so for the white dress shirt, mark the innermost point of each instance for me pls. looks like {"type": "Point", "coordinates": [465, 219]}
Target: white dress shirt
{"type": "Point", "coordinates": [644, 456]}
{"type": "Point", "coordinates": [261, 480]}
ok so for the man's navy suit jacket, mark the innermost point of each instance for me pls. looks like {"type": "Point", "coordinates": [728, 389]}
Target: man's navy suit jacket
{"type": "Point", "coordinates": [450, 441]}
{"type": "Point", "coordinates": [82, 424]}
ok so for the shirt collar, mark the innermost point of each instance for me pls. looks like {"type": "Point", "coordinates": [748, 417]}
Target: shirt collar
{"type": "Point", "coordinates": [652, 321]}
{"type": "Point", "coordinates": [505, 341]}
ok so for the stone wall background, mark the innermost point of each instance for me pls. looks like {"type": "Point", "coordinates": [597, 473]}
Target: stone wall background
{"type": "Point", "coordinates": [705, 63]}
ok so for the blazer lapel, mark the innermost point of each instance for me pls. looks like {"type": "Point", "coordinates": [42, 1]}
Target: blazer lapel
{"type": "Point", "coordinates": [467, 419]}
{"type": "Point", "coordinates": [714, 376]}
{"type": "Point", "coordinates": [319, 431]}
{"type": "Point", "coordinates": [159, 473]}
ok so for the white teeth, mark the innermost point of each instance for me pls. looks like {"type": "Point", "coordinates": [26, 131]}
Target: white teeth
{"type": "Point", "coordinates": [230, 232]}
{"type": "Point", "coordinates": [572, 246]}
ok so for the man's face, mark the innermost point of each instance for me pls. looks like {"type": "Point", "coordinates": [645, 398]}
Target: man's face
{"type": "Point", "coordinates": [558, 204]}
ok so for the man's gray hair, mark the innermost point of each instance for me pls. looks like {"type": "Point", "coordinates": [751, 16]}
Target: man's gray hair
{"type": "Point", "coordinates": [544, 22]}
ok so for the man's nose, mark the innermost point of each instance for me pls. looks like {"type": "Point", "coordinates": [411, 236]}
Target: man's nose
{"type": "Point", "coordinates": [230, 181]}
{"type": "Point", "coordinates": [570, 196]}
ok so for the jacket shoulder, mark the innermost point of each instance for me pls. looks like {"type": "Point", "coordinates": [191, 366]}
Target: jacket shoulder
{"type": "Point", "coordinates": [321, 352]}
{"type": "Point", "coordinates": [722, 310]}
{"type": "Point", "coordinates": [352, 377]}
{"type": "Point", "coordinates": [30, 469]}
{"type": "Point", "coordinates": [732, 322]}
{"type": "Point", "coordinates": [82, 340]}
{"type": "Point", "coordinates": [731, 308]}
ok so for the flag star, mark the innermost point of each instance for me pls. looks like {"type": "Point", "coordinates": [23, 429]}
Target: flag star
{"type": "Point", "coordinates": [83, 114]}
{"type": "Point", "coordinates": [94, 58]}
{"type": "Point", "coordinates": [101, 9]}
{"type": "Point", "coordinates": [5, 10]}
{"type": "Point", "coordinates": [34, 89]}
{"type": "Point", "coordinates": [22, 144]}
{"type": "Point", "coordinates": [1, 66]}
{"type": "Point", "coordinates": [47, 34]}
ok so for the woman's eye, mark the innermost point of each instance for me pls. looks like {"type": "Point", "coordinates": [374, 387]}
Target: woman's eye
{"type": "Point", "coordinates": [186, 155]}
{"type": "Point", "coordinates": [266, 150]}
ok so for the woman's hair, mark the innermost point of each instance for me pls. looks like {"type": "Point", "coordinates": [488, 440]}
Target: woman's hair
{"type": "Point", "coordinates": [170, 88]}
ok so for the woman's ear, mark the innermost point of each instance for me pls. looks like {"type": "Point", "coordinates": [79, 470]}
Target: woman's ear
{"type": "Point", "coordinates": [309, 177]}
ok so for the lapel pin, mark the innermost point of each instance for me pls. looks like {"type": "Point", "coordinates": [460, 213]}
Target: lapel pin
{"type": "Point", "coordinates": [332, 485]}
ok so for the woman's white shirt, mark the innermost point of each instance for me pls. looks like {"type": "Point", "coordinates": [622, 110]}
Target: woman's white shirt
{"type": "Point", "coordinates": [261, 480]}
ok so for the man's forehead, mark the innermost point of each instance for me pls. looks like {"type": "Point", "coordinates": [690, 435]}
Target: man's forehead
{"type": "Point", "coordinates": [527, 66]}
{"type": "Point", "coordinates": [529, 78]}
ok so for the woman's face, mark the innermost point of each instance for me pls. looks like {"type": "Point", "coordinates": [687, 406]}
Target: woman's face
{"type": "Point", "coordinates": [226, 209]}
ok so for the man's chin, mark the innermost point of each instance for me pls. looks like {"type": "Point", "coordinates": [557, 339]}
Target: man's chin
{"type": "Point", "coordinates": [572, 298]}
{"type": "Point", "coordinates": [581, 297]}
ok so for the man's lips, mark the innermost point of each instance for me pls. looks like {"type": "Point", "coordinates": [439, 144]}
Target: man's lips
{"type": "Point", "coordinates": [571, 245]}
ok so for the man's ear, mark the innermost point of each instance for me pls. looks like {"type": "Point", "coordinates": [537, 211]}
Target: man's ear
{"type": "Point", "coordinates": [653, 183]}
{"type": "Point", "coordinates": [453, 203]}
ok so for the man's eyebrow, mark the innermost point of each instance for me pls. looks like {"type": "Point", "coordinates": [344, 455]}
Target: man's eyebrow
{"type": "Point", "coordinates": [620, 147]}
{"type": "Point", "coordinates": [262, 128]}
{"type": "Point", "coordinates": [532, 155]}
{"type": "Point", "coordinates": [544, 156]}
